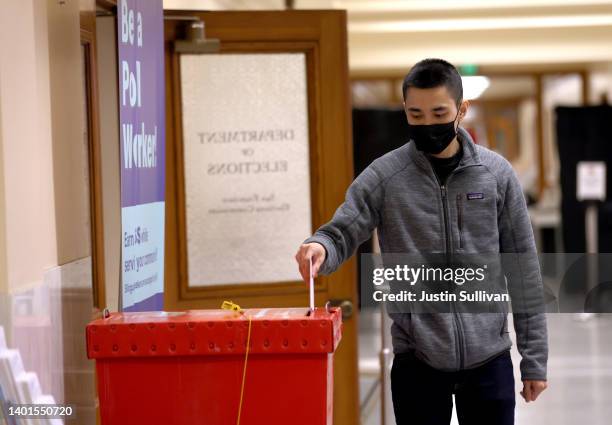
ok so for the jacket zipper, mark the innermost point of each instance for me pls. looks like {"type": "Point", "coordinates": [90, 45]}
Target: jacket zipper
{"type": "Point", "coordinates": [456, 317]}
{"type": "Point", "coordinates": [443, 190]}
{"type": "Point", "coordinates": [448, 257]}
{"type": "Point", "coordinates": [460, 220]}
{"type": "Point", "coordinates": [446, 227]}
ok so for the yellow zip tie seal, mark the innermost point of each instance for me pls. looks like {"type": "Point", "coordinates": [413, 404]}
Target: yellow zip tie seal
{"type": "Point", "coordinates": [228, 305]}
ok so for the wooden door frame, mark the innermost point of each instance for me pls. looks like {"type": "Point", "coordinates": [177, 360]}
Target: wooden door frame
{"type": "Point", "coordinates": [329, 178]}
{"type": "Point", "coordinates": [309, 48]}
{"type": "Point", "coordinates": [331, 164]}
{"type": "Point", "coordinates": [88, 41]}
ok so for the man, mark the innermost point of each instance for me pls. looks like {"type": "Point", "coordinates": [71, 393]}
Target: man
{"type": "Point", "coordinates": [442, 193]}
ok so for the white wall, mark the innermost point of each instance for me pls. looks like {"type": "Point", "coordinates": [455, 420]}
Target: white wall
{"type": "Point", "coordinates": [28, 203]}
{"type": "Point", "coordinates": [28, 237]}
{"type": "Point", "coordinates": [68, 125]}
{"type": "Point", "coordinates": [44, 193]}
{"type": "Point", "coordinates": [526, 164]}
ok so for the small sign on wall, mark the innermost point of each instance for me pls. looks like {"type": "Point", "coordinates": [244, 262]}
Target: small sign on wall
{"type": "Point", "coordinates": [591, 181]}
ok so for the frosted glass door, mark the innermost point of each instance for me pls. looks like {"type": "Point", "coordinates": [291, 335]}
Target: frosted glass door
{"type": "Point", "coordinates": [246, 166]}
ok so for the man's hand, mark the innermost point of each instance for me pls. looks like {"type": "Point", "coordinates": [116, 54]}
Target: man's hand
{"type": "Point", "coordinates": [314, 251]}
{"type": "Point", "coordinates": [532, 389]}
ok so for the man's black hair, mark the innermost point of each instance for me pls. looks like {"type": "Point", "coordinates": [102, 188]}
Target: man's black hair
{"type": "Point", "coordinates": [430, 73]}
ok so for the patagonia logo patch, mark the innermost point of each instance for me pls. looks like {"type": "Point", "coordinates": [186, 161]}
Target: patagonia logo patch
{"type": "Point", "coordinates": [475, 195]}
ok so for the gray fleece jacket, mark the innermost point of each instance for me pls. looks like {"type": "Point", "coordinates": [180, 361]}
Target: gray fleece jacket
{"type": "Point", "coordinates": [480, 209]}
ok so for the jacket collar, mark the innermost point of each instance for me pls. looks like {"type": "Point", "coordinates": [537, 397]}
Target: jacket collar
{"type": "Point", "coordinates": [470, 154]}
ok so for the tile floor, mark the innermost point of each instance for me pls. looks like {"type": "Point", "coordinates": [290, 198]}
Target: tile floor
{"type": "Point", "coordinates": [579, 372]}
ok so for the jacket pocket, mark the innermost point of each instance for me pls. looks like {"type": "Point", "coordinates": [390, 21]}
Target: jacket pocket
{"type": "Point", "coordinates": [460, 218]}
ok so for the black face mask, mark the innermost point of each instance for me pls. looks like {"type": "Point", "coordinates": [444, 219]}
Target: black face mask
{"type": "Point", "coordinates": [433, 138]}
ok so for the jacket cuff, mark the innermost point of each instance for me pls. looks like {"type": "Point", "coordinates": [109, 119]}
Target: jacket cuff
{"type": "Point", "coordinates": [533, 378]}
{"type": "Point", "coordinates": [533, 374]}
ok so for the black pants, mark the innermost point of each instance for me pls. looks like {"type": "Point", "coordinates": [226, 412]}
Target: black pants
{"type": "Point", "coordinates": [422, 395]}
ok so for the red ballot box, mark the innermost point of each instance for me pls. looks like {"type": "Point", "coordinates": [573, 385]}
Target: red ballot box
{"type": "Point", "coordinates": [193, 367]}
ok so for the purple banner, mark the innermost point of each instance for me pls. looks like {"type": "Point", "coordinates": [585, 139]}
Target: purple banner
{"type": "Point", "coordinates": [141, 101]}
{"type": "Point", "coordinates": [140, 37]}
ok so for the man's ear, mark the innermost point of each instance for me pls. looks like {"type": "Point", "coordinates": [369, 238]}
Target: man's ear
{"type": "Point", "coordinates": [463, 108]}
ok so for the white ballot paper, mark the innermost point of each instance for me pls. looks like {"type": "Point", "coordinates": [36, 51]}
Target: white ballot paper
{"type": "Point", "coordinates": [312, 305]}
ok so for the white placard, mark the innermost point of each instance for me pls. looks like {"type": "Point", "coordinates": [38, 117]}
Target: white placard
{"type": "Point", "coordinates": [591, 180]}
{"type": "Point", "coordinates": [247, 172]}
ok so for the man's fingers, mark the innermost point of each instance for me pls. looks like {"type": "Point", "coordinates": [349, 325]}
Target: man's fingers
{"type": "Point", "coordinates": [532, 389]}
{"type": "Point", "coordinates": [316, 264]}
{"type": "Point", "coordinates": [302, 272]}
{"type": "Point", "coordinates": [305, 253]}
{"type": "Point", "coordinates": [302, 257]}
{"type": "Point", "coordinates": [535, 393]}
{"type": "Point", "coordinates": [537, 390]}
{"type": "Point", "coordinates": [299, 257]}
{"type": "Point", "coordinates": [304, 268]}
{"type": "Point", "coordinates": [527, 391]}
